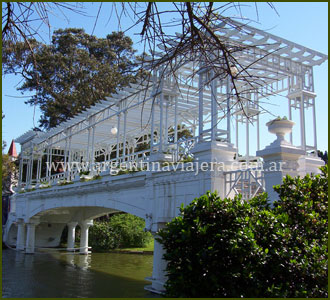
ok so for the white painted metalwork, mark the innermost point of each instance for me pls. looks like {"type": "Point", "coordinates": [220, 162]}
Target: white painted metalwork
{"type": "Point", "coordinates": [155, 113]}
{"type": "Point", "coordinates": [248, 183]}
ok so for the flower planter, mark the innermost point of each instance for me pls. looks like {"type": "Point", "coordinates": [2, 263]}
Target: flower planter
{"type": "Point", "coordinates": [280, 127]}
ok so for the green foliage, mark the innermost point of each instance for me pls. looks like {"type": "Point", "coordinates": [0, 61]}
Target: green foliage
{"type": "Point", "coordinates": [121, 231]}
{"type": "Point", "coordinates": [101, 237]}
{"type": "Point", "coordinates": [84, 173]}
{"type": "Point", "coordinates": [8, 168]}
{"type": "Point", "coordinates": [234, 248]}
{"type": "Point", "coordinates": [65, 182]}
{"type": "Point", "coordinates": [72, 73]}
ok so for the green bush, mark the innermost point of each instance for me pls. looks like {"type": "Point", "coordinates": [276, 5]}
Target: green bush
{"type": "Point", "coordinates": [121, 231]}
{"type": "Point", "coordinates": [234, 248]}
{"type": "Point", "coordinates": [101, 237]}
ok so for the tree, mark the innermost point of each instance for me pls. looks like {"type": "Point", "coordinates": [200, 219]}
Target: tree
{"type": "Point", "coordinates": [120, 231]}
{"type": "Point", "coordinates": [72, 73]}
{"type": "Point", "coordinates": [235, 248]}
{"type": "Point", "coordinates": [9, 169]}
{"type": "Point", "coordinates": [196, 23]}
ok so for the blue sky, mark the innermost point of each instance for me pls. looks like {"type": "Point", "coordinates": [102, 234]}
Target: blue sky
{"type": "Point", "coordinates": [305, 23]}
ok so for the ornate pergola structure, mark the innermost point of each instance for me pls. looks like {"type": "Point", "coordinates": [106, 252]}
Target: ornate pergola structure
{"type": "Point", "coordinates": [151, 115]}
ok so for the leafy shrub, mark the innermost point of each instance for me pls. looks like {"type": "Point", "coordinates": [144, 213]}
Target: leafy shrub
{"type": "Point", "coordinates": [101, 236]}
{"type": "Point", "coordinates": [129, 230]}
{"type": "Point", "coordinates": [121, 231]}
{"type": "Point", "coordinates": [234, 248]}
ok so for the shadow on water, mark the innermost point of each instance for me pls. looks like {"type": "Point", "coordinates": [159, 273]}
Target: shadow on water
{"type": "Point", "coordinates": [98, 275]}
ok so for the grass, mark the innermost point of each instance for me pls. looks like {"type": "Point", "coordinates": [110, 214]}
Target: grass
{"type": "Point", "coordinates": [149, 247]}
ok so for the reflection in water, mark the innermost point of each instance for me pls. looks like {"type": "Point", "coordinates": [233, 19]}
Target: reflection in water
{"type": "Point", "coordinates": [96, 275]}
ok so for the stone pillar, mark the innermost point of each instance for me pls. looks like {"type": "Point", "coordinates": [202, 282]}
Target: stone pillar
{"type": "Point", "coordinates": [214, 151]}
{"type": "Point", "coordinates": [158, 278]}
{"type": "Point", "coordinates": [221, 156]}
{"type": "Point", "coordinates": [20, 242]}
{"type": "Point", "coordinates": [159, 266]}
{"type": "Point", "coordinates": [30, 237]}
{"type": "Point", "coordinates": [280, 157]}
{"type": "Point", "coordinates": [71, 235]}
{"type": "Point", "coordinates": [84, 226]}
{"type": "Point", "coordinates": [310, 164]}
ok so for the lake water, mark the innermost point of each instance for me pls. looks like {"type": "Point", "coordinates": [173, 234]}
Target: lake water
{"type": "Point", "coordinates": [54, 274]}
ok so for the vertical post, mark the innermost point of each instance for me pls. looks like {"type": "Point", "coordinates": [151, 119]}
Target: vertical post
{"type": "Point", "coordinates": [200, 107]}
{"type": "Point", "coordinates": [214, 113]}
{"type": "Point", "coordinates": [47, 164]}
{"type": "Point", "coordinates": [314, 127]}
{"type": "Point", "coordinates": [176, 128]}
{"type": "Point", "coordinates": [258, 121]}
{"type": "Point", "coordinates": [228, 91]}
{"type": "Point", "coordinates": [118, 135]}
{"type": "Point", "coordinates": [65, 151]}
{"type": "Point", "coordinates": [161, 111]}
{"type": "Point", "coordinates": [84, 226]}
{"type": "Point", "coordinates": [30, 238]}
{"type": "Point", "coordinates": [92, 150]}
{"type": "Point", "coordinates": [71, 235]}
{"type": "Point", "coordinates": [50, 162]}
{"type": "Point", "coordinates": [88, 152]}
{"type": "Point", "coordinates": [152, 127]}
{"type": "Point", "coordinates": [166, 123]}
{"type": "Point", "coordinates": [38, 169]}
{"type": "Point", "coordinates": [31, 167]}
{"type": "Point", "coordinates": [20, 242]}
{"type": "Point", "coordinates": [68, 169]}
{"type": "Point", "coordinates": [236, 137]}
{"type": "Point", "coordinates": [247, 139]}
{"type": "Point", "coordinates": [258, 133]}
{"type": "Point", "coordinates": [290, 118]}
{"type": "Point", "coordinates": [124, 139]}
{"type": "Point", "coordinates": [302, 122]}
{"type": "Point", "coordinates": [20, 168]}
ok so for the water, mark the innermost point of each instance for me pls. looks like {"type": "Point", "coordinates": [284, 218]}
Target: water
{"type": "Point", "coordinates": [97, 275]}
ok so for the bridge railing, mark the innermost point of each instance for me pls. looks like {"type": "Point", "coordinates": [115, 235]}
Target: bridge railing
{"type": "Point", "coordinates": [248, 182]}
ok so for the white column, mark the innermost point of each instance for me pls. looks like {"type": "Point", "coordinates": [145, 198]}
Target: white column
{"type": "Point", "coordinates": [20, 242]}
{"type": "Point", "coordinates": [92, 150]}
{"type": "Point", "coordinates": [158, 278]}
{"type": "Point", "coordinates": [200, 108]}
{"type": "Point", "coordinates": [314, 127]}
{"type": "Point", "coordinates": [166, 124]}
{"type": "Point", "coordinates": [124, 138]}
{"type": "Point", "coordinates": [118, 135]}
{"type": "Point", "coordinates": [84, 226]}
{"type": "Point", "coordinates": [30, 237]}
{"type": "Point", "coordinates": [68, 169]}
{"type": "Point", "coordinates": [20, 170]}
{"type": "Point", "coordinates": [30, 169]}
{"type": "Point", "coordinates": [50, 163]}
{"type": "Point", "coordinates": [65, 150]}
{"type": "Point", "coordinates": [290, 118]}
{"type": "Point", "coordinates": [247, 139]}
{"type": "Point", "coordinates": [71, 235]}
{"type": "Point", "coordinates": [236, 137]}
{"type": "Point", "coordinates": [228, 110]}
{"type": "Point", "coordinates": [159, 266]}
{"type": "Point", "coordinates": [88, 152]}
{"type": "Point", "coordinates": [161, 111]}
{"type": "Point", "coordinates": [258, 133]}
{"type": "Point", "coordinates": [302, 123]}
{"type": "Point", "coordinates": [214, 112]}
{"type": "Point", "coordinates": [176, 128]}
{"type": "Point", "coordinates": [152, 125]}
{"type": "Point", "coordinates": [38, 169]}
